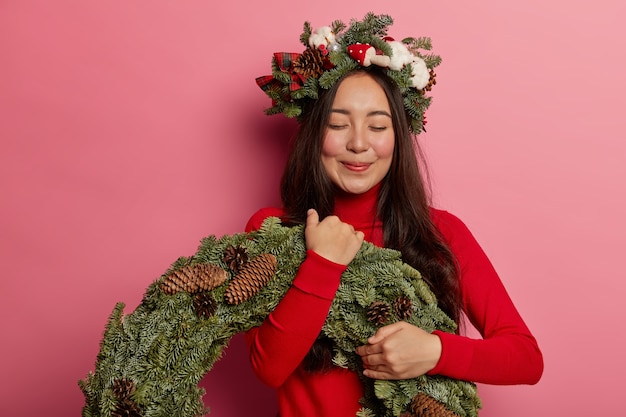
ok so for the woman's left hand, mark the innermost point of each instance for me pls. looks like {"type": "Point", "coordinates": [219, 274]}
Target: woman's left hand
{"type": "Point", "coordinates": [400, 351]}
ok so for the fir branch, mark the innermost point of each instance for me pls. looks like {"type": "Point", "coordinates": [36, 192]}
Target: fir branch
{"type": "Point", "coordinates": [306, 34]}
{"type": "Point", "coordinates": [366, 30]}
{"type": "Point", "coordinates": [415, 44]}
{"type": "Point", "coordinates": [337, 26]}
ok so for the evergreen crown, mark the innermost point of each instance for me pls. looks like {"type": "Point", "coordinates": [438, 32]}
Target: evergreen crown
{"type": "Point", "coordinates": [335, 50]}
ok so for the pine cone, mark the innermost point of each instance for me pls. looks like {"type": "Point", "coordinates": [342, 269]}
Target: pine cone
{"type": "Point", "coordinates": [251, 279]}
{"type": "Point", "coordinates": [378, 313]}
{"type": "Point", "coordinates": [123, 388]}
{"type": "Point", "coordinates": [204, 304]}
{"type": "Point", "coordinates": [423, 405]}
{"type": "Point", "coordinates": [194, 278]}
{"type": "Point", "coordinates": [126, 408]}
{"type": "Point", "coordinates": [403, 307]}
{"type": "Point", "coordinates": [310, 63]}
{"type": "Point", "coordinates": [235, 258]}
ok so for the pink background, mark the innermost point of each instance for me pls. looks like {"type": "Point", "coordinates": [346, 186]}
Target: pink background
{"type": "Point", "coordinates": [132, 129]}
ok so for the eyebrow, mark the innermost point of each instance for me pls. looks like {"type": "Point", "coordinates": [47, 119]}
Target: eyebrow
{"type": "Point", "coordinates": [372, 113]}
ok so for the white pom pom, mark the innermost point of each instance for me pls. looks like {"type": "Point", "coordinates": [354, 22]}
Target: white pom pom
{"type": "Point", "coordinates": [322, 36]}
{"type": "Point", "coordinates": [420, 73]}
{"type": "Point", "coordinates": [400, 55]}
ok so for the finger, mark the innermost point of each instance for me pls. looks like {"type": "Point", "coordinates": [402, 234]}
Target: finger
{"type": "Point", "coordinates": [370, 373]}
{"type": "Point", "coordinates": [373, 361]}
{"type": "Point", "coordinates": [366, 350]}
{"type": "Point", "coordinates": [384, 332]}
{"type": "Point", "coordinates": [312, 218]}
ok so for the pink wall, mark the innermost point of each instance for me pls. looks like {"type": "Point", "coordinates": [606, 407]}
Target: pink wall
{"type": "Point", "coordinates": [132, 129]}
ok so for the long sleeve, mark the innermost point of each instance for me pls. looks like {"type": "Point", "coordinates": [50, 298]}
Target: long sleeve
{"type": "Point", "coordinates": [507, 353]}
{"type": "Point", "coordinates": [278, 346]}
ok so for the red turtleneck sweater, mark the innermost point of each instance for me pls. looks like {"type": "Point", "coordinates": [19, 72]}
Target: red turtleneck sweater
{"type": "Point", "coordinates": [506, 354]}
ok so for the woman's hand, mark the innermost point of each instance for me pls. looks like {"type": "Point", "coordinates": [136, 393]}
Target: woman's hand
{"type": "Point", "coordinates": [331, 238]}
{"type": "Point", "coordinates": [400, 351]}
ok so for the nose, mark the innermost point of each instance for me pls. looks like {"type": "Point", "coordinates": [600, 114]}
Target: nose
{"type": "Point", "coordinates": [357, 141]}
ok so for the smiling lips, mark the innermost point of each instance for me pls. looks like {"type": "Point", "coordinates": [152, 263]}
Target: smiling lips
{"type": "Point", "coordinates": [356, 166]}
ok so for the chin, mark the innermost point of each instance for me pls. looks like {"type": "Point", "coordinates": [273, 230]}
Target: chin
{"type": "Point", "coordinates": [356, 189]}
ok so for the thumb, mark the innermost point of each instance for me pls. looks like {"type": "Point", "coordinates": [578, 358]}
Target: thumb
{"type": "Point", "coordinates": [312, 218]}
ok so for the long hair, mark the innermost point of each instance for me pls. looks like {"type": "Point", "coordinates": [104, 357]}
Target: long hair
{"type": "Point", "coordinates": [403, 200]}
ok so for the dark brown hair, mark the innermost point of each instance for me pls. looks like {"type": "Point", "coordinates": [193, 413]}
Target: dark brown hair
{"type": "Point", "coordinates": [403, 200]}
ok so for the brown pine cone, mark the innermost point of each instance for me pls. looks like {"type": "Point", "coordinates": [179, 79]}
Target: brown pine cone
{"type": "Point", "coordinates": [204, 304]}
{"type": "Point", "coordinates": [194, 278]}
{"type": "Point", "coordinates": [235, 257]}
{"type": "Point", "coordinates": [378, 313]}
{"type": "Point", "coordinates": [403, 307]}
{"type": "Point", "coordinates": [126, 408]}
{"type": "Point", "coordinates": [310, 63]}
{"type": "Point", "coordinates": [123, 388]}
{"type": "Point", "coordinates": [251, 279]}
{"type": "Point", "coordinates": [423, 405]}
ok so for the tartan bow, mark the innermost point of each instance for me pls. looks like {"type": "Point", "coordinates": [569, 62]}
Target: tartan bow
{"type": "Point", "coordinates": [284, 61]}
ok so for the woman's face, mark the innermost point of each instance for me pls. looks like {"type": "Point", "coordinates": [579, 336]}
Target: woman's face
{"type": "Point", "coordinates": [359, 139]}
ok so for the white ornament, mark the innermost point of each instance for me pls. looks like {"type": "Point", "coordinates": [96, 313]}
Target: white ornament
{"type": "Point", "coordinates": [400, 56]}
{"type": "Point", "coordinates": [322, 36]}
{"type": "Point", "coordinates": [420, 74]}
{"type": "Point", "coordinates": [334, 47]}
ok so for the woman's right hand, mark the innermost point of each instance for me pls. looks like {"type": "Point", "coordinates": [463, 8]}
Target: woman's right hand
{"type": "Point", "coordinates": [331, 238]}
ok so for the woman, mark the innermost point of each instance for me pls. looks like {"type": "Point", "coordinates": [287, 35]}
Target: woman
{"type": "Point", "coordinates": [353, 175]}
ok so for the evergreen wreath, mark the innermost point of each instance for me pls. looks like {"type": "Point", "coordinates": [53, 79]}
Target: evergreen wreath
{"type": "Point", "coordinates": [151, 361]}
{"type": "Point", "coordinates": [333, 51]}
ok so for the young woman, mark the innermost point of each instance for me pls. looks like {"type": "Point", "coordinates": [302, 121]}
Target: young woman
{"type": "Point", "coordinates": [353, 174]}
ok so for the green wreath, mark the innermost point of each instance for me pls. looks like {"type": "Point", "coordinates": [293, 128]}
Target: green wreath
{"type": "Point", "coordinates": [151, 361]}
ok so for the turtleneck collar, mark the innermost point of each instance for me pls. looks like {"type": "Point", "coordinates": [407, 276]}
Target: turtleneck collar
{"type": "Point", "coordinates": [359, 210]}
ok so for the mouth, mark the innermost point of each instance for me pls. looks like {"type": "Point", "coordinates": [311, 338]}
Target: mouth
{"type": "Point", "coordinates": [356, 166]}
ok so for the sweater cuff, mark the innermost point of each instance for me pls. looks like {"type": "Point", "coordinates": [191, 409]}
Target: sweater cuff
{"type": "Point", "coordinates": [319, 276]}
{"type": "Point", "coordinates": [455, 357]}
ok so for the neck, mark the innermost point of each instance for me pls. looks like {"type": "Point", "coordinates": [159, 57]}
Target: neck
{"type": "Point", "coordinates": [360, 210]}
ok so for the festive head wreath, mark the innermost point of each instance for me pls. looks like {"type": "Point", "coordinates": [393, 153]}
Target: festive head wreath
{"type": "Point", "coordinates": [333, 51]}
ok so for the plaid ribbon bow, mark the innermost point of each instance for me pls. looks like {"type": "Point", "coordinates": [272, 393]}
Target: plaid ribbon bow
{"type": "Point", "coordinates": [284, 61]}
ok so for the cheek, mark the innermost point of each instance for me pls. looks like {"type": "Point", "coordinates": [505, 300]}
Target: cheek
{"type": "Point", "coordinates": [331, 146]}
{"type": "Point", "coordinates": [385, 147]}
{"type": "Point", "coordinates": [328, 155]}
